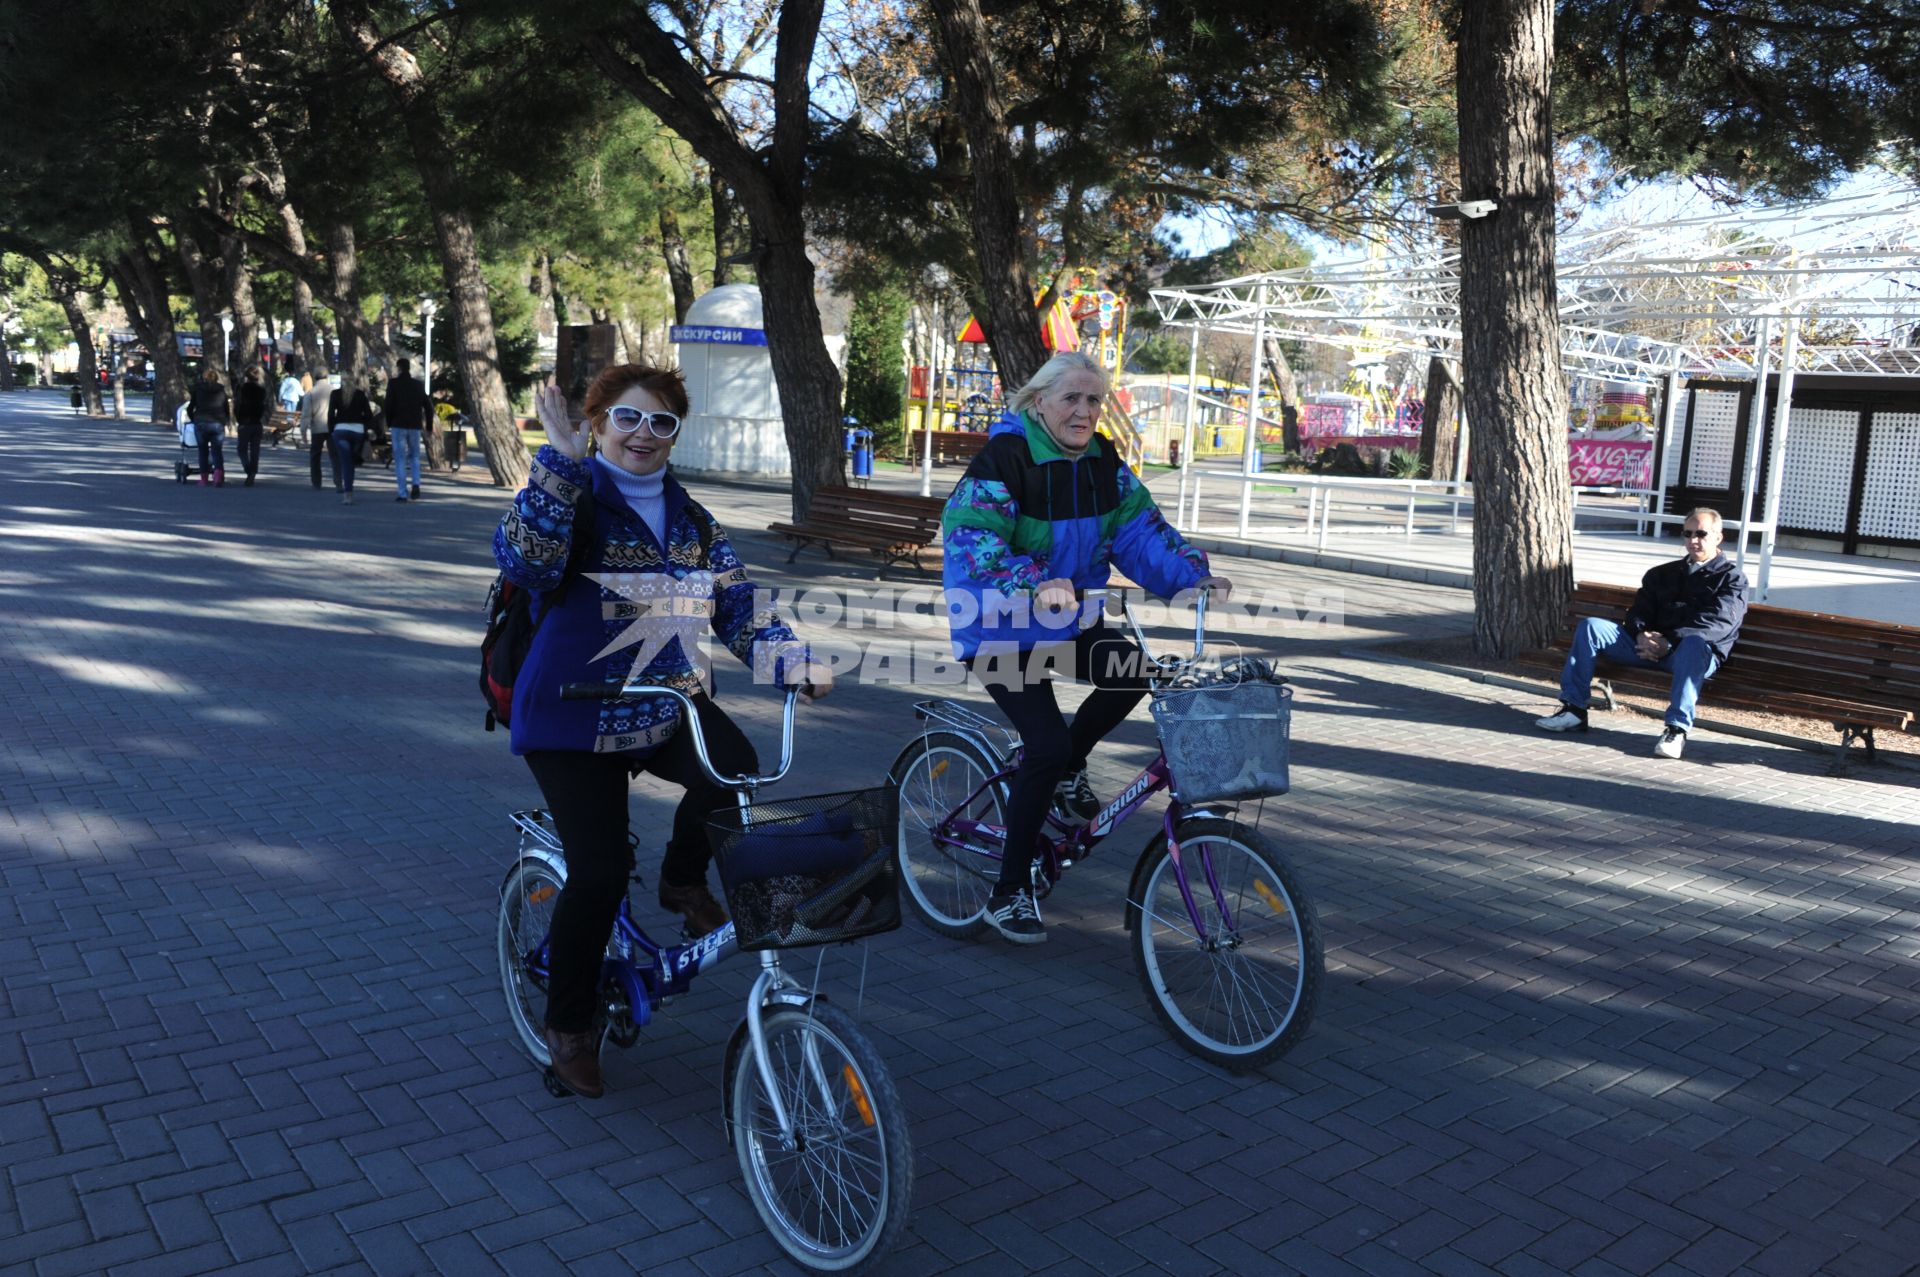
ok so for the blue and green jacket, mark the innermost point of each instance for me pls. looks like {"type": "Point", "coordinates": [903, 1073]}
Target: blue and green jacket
{"type": "Point", "coordinates": [1026, 513]}
{"type": "Point", "coordinates": [633, 611]}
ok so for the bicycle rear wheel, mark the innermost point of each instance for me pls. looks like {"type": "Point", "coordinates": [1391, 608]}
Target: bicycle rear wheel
{"type": "Point", "coordinates": [1240, 989]}
{"type": "Point", "coordinates": [836, 1198]}
{"type": "Point", "coordinates": [527, 898]}
{"type": "Point", "coordinates": [947, 886]}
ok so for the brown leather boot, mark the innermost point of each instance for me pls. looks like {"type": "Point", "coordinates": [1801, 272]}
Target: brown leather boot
{"type": "Point", "coordinates": [694, 902]}
{"type": "Point", "coordinates": [576, 1062]}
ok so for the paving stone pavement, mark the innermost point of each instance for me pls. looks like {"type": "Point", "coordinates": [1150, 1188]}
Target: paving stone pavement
{"type": "Point", "coordinates": [1586, 1012]}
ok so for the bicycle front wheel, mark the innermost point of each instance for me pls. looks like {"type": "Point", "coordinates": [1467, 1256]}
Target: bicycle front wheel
{"type": "Point", "coordinates": [942, 778]}
{"type": "Point", "coordinates": [527, 898]}
{"type": "Point", "coordinates": [835, 1196]}
{"type": "Point", "coordinates": [1236, 976]}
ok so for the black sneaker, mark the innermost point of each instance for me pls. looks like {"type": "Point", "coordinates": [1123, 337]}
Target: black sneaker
{"type": "Point", "coordinates": [1016, 917]}
{"type": "Point", "coordinates": [1073, 798]}
{"type": "Point", "coordinates": [413, 493]}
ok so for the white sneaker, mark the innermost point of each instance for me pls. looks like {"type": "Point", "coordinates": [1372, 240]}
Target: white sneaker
{"type": "Point", "coordinates": [1671, 742]}
{"type": "Point", "coordinates": [1568, 719]}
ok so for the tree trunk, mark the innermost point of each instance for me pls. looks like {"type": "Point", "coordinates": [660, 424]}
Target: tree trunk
{"type": "Point", "coordinates": [343, 261]}
{"type": "Point", "coordinates": [726, 236]}
{"type": "Point", "coordinates": [807, 377]}
{"type": "Point", "coordinates": [1012, 329]}
{"type": "Point", "coordinates": [6, 361]}
{"type": "Point", "coordinates": [770, 181]}
{"type": "Point", "coordinates": [306, 333]}
{"type": "Point", "coordinates": [673, 246]}
{"type": "Point", "coordinates": [236, 283]}
{"type": "Point", "coordinates": [632, 339]}
{"type": "Point", "coordinates": [204, 283]}
{"type": "Point", "coordinates": [89, 370]}
{"type": "Point", "coordinates": [1516, 395]}
{"type": "Point", "coordinates": [141, 281]}
{"type": "Point", "coordinates": [1280, 369]}
{"type": "Point", "coordinates": [475, 349]}
{"type": "Point", "coordinates": [1440, 420]}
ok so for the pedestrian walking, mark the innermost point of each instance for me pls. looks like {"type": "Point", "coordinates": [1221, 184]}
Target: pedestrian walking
{"type": "Point", "coordinates": [289, 394]}
{"type": "Point", "coordinates": [408, 413]}
{"type": "Point", "coordinates": [313, 420]}
{"type": "Point", "coordinates": [250, 419]}
{"type": "Point", "coordinates": [348, 413]}
{"type": "Point", "coordinates": [209, 408]}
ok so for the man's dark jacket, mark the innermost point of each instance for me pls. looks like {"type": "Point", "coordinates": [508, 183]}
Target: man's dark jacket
{"type": "Point", "coordinates": [407, 406]}
{"type": "Point", "coordinates": [1708, 602]}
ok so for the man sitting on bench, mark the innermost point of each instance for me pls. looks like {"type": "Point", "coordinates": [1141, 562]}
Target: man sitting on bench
{"type": "Point", "coordinates": [1683, 621]}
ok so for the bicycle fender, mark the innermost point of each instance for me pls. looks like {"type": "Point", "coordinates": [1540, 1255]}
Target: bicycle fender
{"type": "Point", "coordinates": [737, 1051]}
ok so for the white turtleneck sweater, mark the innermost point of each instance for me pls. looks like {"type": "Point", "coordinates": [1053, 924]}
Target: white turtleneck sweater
{"type": "Point", "coordinates": [646, 493]}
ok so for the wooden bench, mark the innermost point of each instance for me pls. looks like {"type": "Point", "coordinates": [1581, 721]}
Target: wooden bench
{"type": "Point", "coordinates": [948, 445]}
{"type": "Point", "coordinates": [895, 526]}
{"type": "Point", "coordinates": [280, 424]}
{"type": "Point", "coordinates": [1858, 675]}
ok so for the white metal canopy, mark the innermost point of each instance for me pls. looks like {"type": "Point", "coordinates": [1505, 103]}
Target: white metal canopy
{"type": "Point", "coordinates": [1830, 286]}
{"type": "Point", "coordinates": [1637, 301]}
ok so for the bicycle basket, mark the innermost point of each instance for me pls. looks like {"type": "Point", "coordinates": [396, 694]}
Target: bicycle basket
{"type": "Point", "coordinates": [803, 871]}
{"type": "Point", "coordinates": [1225, 741]}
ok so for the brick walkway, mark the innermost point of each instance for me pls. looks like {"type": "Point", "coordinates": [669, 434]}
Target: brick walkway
{"type": "Point", "coordinates": [1586, 1012]}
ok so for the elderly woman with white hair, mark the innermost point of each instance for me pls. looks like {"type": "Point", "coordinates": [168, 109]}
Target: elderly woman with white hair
{"type": "Point", "coordinates": [1043, 515]}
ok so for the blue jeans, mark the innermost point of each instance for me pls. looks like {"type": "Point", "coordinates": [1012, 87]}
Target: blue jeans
{"type": "Point", "coordinates": [406, 452]}
{"type": "Point", "coordinates": [208, 435]}
{"type": "Point", "coordinates": [346, 453]}
{"type": "Point", "coordinates": [1691, 662]}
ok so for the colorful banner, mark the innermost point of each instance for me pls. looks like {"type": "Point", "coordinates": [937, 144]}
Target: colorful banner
{"type": "Point", "coordinates": [1610, 463]}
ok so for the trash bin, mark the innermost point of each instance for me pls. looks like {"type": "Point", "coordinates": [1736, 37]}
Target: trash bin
{"type": "Point", "coordinates": [862, 453]}
{"type": "Point", "coordinates": [1256, 462]}
{"type": "Point", "coordinates": [454, 444]}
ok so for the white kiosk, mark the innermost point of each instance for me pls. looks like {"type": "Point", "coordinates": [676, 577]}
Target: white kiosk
{"type": "Point", "coordinates": [735, 430]}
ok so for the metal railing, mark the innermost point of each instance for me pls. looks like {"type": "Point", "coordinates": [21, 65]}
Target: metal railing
{"type": "Point", "coordinates": [1321, 492]}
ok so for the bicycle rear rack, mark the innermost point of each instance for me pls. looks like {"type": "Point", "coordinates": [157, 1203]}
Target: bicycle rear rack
{"type": "Point", "coordinates": [537, 826]}
{"type": "Point", "coordinates": [967, 721]}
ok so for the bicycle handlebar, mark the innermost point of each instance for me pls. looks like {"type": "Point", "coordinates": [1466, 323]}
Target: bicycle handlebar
{"type": "Point", "coordinates": [1199, 622]}
{"type": "Point", "coordinates": [690, 717]}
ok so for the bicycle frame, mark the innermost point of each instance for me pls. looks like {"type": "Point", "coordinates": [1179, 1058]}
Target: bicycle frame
{"type": "Point", "coordinates": [668, 971]}
{"type": "Point", "coordinates": [1056, 854]}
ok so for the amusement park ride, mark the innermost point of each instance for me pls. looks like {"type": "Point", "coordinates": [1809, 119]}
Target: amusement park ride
{"type": "Point", "coordinates": [969, 396]}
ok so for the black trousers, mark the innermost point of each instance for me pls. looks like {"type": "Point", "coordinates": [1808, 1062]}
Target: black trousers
{"type": "Point", "coordinates": [249, 446]}
{"type": "Point", "coordinates": [587, 795]}
{"type": "Point", "coordinates": [324, 443]}
{"type": "Point", "coordinates": [1116, 667]}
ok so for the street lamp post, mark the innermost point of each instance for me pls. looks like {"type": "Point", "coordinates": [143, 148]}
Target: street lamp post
{"type": "Point", "coordinates": [428, 308]}
{"type": "Point", "coordinates": [226, 341]}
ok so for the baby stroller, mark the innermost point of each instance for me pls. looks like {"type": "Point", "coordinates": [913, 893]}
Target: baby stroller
{"type": "Point", "coordinates": [189, 460]}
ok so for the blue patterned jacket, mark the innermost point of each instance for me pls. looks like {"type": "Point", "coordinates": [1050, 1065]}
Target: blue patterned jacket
{"type": "Point", "coordinates": [1026, 513]}
{"type": "Point", "coordinates": [633, 614]}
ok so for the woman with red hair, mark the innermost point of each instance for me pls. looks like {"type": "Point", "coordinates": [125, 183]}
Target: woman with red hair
{"type": "Point", "coordinates": [620, 559]}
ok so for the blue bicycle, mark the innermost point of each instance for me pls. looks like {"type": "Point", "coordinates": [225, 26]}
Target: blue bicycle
{"type": "Point", "coordinates": [811, 1111]}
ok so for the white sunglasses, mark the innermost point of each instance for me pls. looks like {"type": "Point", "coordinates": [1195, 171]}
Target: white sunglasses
{"type": "Point", "coordinates": [627, 419]}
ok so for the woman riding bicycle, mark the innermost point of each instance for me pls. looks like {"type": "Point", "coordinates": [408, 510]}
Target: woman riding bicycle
{"type": "Point", "coordinates": [654, 570]}
{"type": "Point", "coordinates": [1043, 514]}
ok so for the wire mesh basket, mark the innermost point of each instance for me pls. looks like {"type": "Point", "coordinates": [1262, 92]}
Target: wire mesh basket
{"type": "Point", "coordinates": [803, 871]}
{"type": "Point", "coordinates": [1226, 741]}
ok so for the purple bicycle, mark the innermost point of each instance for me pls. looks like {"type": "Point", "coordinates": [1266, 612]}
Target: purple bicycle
{"type": "Point", "coordinates": [1224, 936]}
